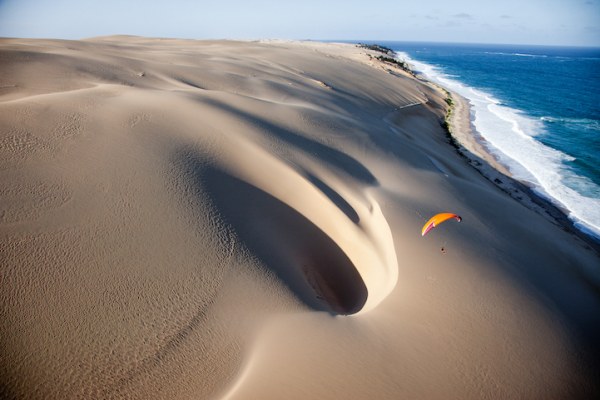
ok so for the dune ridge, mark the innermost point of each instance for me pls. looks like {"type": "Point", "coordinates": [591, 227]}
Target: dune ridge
{"type": "Point", "coordinates": [221, 219]}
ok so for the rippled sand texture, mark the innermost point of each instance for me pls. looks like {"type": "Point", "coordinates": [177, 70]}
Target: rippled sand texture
{"type": "Point", "coordinates": [195, 220]}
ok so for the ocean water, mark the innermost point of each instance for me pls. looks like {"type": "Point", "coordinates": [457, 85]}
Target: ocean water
{"type": "Point", "coordinates": [537, 107]}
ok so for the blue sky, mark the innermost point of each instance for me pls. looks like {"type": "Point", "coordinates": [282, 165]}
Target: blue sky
{"type": "Point", "coordinates": [558, 22]}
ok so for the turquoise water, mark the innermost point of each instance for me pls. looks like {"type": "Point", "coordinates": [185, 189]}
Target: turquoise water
{"type": "Point", "coordinates": [539, 109]}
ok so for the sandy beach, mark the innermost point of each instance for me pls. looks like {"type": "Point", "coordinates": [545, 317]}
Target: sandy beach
{"type": "Point", "coordinates": [186, 219]}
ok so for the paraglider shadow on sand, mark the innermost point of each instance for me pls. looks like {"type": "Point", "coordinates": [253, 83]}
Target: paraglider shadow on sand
{"type": "Point", "coordinates": [306, 259]}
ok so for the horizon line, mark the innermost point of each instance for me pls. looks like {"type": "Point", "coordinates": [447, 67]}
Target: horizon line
{"type": "Point", "coordinates": [595, 46]}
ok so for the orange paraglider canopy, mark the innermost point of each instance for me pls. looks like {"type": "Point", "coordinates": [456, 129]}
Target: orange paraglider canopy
{"type": "Point", "coordinates": [438, 219]}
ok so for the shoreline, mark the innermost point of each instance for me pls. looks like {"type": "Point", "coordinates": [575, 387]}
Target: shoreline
{"type": "Point", "coordinates": [470, 144]}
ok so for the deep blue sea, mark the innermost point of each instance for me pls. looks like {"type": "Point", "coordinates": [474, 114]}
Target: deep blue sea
{"type": "Point", "coordinates": [538, 109]}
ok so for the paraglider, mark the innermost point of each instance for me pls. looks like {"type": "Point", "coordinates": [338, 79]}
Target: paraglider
{"type": "Point", "coordinates": [438, 219]}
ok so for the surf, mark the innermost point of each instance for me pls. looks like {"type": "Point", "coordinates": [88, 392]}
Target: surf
{"type": "Point", "coordinates": [512, 136]}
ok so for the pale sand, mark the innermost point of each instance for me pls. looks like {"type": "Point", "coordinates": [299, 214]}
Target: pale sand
{"type": "Point", "coordinates": [188, 220]}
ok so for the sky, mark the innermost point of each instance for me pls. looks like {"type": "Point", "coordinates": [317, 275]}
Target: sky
{"type": "Point", "coordinates": [546, 22]}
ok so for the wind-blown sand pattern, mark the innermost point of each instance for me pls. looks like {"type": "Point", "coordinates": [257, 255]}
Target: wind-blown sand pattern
{"type": "Point", "coordinates": [241, 220]}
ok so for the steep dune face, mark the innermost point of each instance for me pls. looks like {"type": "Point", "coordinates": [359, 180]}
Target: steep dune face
{"type": "Point", "coordinates": [334, 236]}
{"type": "Point", "coordinates": [192, 219]}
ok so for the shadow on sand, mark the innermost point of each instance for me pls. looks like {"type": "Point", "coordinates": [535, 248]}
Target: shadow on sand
{"type": "Point", "coordinates": [307, 260]}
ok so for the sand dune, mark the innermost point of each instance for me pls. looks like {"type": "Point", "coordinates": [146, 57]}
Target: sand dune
{"type": "Point", "coordinates": [219, 219]}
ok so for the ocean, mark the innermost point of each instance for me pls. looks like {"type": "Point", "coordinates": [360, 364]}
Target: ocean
{"type": "Point", "coordinates": [537, 107]}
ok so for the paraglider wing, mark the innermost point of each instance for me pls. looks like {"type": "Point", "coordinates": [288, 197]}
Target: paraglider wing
{"type": "Point", "coordinates": [438, 219]}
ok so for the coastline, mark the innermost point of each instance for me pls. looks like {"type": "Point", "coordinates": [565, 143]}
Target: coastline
{"type": "Point", "coordinates": [191, 219]}
{"type": "Point", "coordinates": [471, 145]}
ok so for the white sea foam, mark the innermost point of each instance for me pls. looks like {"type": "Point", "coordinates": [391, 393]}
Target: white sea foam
{"type": "Point", "coordinates": [581, 123]}
{"type": "Point", "coordinates": [510, 136]}
{"type": "Point", "coordinates": [516, 54]}
{"type": "Point", "coordinates": [530, 55]}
